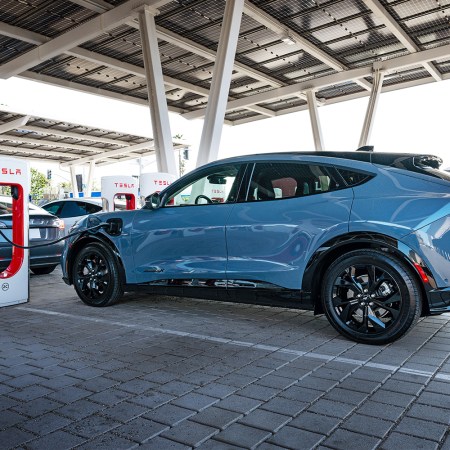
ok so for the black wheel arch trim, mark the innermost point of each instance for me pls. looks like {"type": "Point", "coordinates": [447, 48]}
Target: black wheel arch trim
{"type": "Point", "coordinates": [339, 245]}
{"type": "Point", "coordinates": [90, 239]}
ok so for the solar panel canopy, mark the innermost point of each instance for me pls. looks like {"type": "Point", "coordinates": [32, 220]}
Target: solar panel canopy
{"type": "Point", "coordinates": [43, 139]}
{"type": "Point", "coordinates": [285, 48]}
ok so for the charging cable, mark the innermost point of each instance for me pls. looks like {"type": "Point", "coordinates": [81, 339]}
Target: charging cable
{"type": "Point", "coordinates": [76, 233]}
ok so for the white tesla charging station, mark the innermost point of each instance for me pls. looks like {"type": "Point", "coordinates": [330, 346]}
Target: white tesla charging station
{"type": "Point", "coordinates": [14, 280]}
{"type": "Point", "coordinates": [150, 183]}
{"type": "Point", "coordinates": [118, 187]}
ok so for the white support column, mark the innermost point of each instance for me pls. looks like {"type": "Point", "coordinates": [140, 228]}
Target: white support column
{"type": "Point", "coordinates": [220, 85]}
{"type": "Point", "coordinates": [90, 178]}
{"type": "Point", "coordinates": [371, 108]}
{"type": "Point", "coordinates": [315, 122]}
{"type": "Point", "coordinates": [73, 178]}
{"type": "Point", "coordinates": [156, 93]}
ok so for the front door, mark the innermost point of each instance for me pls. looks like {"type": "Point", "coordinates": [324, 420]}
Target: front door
{"type": "Point", "coordinates": [184, 238]}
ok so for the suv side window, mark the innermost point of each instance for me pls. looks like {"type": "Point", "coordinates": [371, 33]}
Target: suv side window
{"type": "Point", "coordinates": [54, 208]}
{"type": "Point", "coordinates": [271, 181]}
{"type": "Point", "coordinates": [92, 209]}
{"type": "Point", "coordinates": [218, 185]}
{"type": "Point", "coordinates": [353, 178]}
{"type": "Point", "coordinates": [73, 209]}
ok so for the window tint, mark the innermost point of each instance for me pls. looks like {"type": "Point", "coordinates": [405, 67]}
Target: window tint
{"type": "Point", "coordinates": [353, 178]}
{"type": "Point", "coordinates": [5, 207]}
{"type": "Point", "coordinates": [73, 209]}
{"type": "Point", "coordinates": [272, 181]}
{"type": "Point", "coordinates": [54, 208]}
{"type": "Point", "coordinates": [92, 209]}
{"type": "Point", "coordinates": [219, 185]}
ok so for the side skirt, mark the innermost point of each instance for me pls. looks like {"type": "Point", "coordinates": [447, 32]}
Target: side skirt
{"type": "Point", "coordinates": [273, 296]}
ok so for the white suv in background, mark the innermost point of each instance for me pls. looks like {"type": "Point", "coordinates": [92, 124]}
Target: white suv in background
{"type": "Point", "coordinates": [73, 209]}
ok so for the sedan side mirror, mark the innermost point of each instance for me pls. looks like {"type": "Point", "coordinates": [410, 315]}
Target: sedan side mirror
{"type": "Point", "coordinates": [153, 201]}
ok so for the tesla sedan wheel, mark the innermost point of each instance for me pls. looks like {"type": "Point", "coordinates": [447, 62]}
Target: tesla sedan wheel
{"type": "Point", "coordinates": [371, 297]}
{"type": "Point", "coordinates": [96, 276]}
{"type": "Point", "coordinates": [43, 270]}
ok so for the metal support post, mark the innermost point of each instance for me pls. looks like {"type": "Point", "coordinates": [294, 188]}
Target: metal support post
{"type": "Point", "coordinates": [377, 84]}
{"type": "Point", "coordinates": [73, 178]}
{"type": "Point", "coordinates": [90, 178]}
{"type": "Point", "coordinates": [220, 84]}
{"type": "Point", "coordinates": [315, 122]}
{"type": "Point", "coordinates": [159, 112]}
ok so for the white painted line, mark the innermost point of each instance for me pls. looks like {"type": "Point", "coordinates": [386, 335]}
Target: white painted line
{"type": "Point", "coordinates": [299, 353]}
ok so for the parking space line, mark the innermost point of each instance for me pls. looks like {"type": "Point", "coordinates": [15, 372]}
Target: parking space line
{"type": "Point", "coordinates": [225, 341]}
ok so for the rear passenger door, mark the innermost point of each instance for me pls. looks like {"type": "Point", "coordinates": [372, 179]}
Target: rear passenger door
{"type": "Point", "coordinates": [290, 208]}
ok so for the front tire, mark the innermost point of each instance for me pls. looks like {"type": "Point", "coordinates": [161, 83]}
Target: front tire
{"type": "Point", "coordinates": [371, 297]}
{"type": "Point", "coordinates": [96, 276]}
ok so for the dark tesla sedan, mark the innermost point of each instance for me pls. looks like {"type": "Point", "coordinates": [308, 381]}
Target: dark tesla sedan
{"type": "Point", "coordinates": [360, 236]}
{"type": "Point", "coordinates": [43, 228]}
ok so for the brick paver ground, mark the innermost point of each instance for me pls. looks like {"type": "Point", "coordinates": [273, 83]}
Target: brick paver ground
{"type": "Point", "coordinates": [163, 373]}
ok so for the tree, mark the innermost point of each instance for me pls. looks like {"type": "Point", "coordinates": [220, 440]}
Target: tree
{"type": "Point", "coordinates": [38, 183]}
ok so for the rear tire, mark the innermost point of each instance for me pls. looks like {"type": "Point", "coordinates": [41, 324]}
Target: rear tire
{"type": "Point", "coordinates": [43, 270]}
{"type": "Point", "coordinates": [371, 297]}
{"type": "Point", "coordinates": [96, 276]}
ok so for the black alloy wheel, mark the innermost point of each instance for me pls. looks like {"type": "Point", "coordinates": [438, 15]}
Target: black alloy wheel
{"type": "Point", "coordinates": [96, 276]}
{"type": "Point", "coordinates": [371, 297]}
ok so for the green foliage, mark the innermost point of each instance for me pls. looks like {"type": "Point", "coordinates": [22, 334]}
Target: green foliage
{"type": "Point", "coordinates": [38, 183]}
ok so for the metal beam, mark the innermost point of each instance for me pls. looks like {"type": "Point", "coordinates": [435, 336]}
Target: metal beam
{"type": "Point", "coordinates": [22, 35]}
{"type": "Point", "coordinates": [73, 178]}
{"type": "Point", "coordinates": [99, 6]}
{"type": "Point", "coordinates": [90, 178]}
{"type": "Point", "coordinates": [277, 27]}
{"type": "Point", "coordinates": [198, 49]}
{"type": "Point", "coordinates": [13, 124]}
{"type": "Point", "coordinates": [124, 159]}
{"type": "Point", "coordinates": [127, 68]}
{"type": "Point", "coordinates": [52, 153]}
{"type": "Point", "coordinates": [31, 151]}
{"type": "Point", "coordinates": [220, 85]}
{"type": "Point", "coordinates": [371, 108]}
{"type": "Point", "coordinates": [211, 55]}
{"type": "Point", "coordinates": [354, 96]}
{"type": "Point", "coordinates": [392, 25]}
{"type": "Point", "coordinates": [72, 135]}
{"type": "Point", "coordinates": [88, 89]}
{"type": "Point", "coordinates": [75, 36]}
{"type": "Point", "coordinates": [156, 93]}
{"type": "Point", "coordinates": [119, 151]}
{"type": "Point", "coordinates": [140, 72]}
{"type": "Point", "coordinates": [27, 140]}
{"type": "Point", "coordinates": [315, 122]}
{"type": "Point", "coordinates": [394, 64]}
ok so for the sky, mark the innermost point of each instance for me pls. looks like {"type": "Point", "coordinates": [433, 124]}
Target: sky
{"type": "Point", "coordinates": [409, 120]}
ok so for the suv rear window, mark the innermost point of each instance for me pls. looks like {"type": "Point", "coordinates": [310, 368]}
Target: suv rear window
{"type": "Point", "coordinates": [430, 165]}
{"type": "Point", "coordinates": [353, 178]}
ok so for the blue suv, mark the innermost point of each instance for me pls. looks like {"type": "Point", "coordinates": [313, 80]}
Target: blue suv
{"type": "Point", "coordinates": [360, 236]}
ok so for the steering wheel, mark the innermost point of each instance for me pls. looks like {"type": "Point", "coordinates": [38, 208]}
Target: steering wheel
{"type": "Point", "coordinates": [208, 200]}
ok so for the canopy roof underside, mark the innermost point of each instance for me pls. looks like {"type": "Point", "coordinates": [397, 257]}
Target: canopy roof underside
{"type": "Point", "coordinates": [45, 139]}
{"type": "Point", "coordinates": [285, 47]}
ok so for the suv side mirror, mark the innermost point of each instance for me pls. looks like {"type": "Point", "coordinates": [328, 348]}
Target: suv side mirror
{"type": "Point", "coordinates": [153, 201]}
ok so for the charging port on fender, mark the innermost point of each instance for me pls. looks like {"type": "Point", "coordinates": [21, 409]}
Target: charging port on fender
{"type": "Point", "coordinates": [115, 227]}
